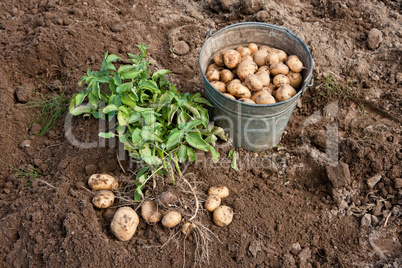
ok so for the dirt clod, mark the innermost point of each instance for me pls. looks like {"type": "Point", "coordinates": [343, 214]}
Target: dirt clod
{"type": "Point", "coordinates": [339, 175]}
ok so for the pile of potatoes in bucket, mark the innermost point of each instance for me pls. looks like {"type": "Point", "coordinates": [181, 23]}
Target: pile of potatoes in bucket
{"type": "Point", "coordinates": [258, 75]}
{"type": "Point", "coordinates": [125, 220]}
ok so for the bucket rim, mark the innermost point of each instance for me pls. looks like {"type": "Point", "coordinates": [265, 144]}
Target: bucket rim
{"type": "Point", "coordinates": [306, 82]}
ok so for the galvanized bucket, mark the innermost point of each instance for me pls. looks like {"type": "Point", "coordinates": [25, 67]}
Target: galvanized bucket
{"type": "Point", "coordinates": [251, 126]}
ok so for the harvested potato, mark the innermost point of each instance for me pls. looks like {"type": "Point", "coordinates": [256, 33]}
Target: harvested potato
{"type": "Point", "coordinates": [238, 90]}
{"type": "Point", "coordinates": [264, 68]}
{"type": "Point", "coordinates": [223, 216]}
{"type": "Point", "coordinates": [150, 212]}
{"type": "Point", "coordinates": [103, 199]}
{"type": "Point", "coordinates": [213, 201]}
{"type": "Point", "coordinates": [264, 77]}
{"type": "Point", "coordinates": [246, 68]}
{"type": "Point", "coordinates": [213, 66]}
{"type": "Point", "coordinates": [257, 93]}
{"type": "Point", "coordinates": [285, 92]}
{"type": "Point", "coordinates": [229, 96]}
{"type": "Point", "coordinates": [281, 54]}
{"type": "Point", "coordinates": [253, 82]}
{"type": "Point", "coordinates": [253, 47]}
{"type": "Point", "coordinates": [279, 68]}
{"type": "Point", "coordinates": [231, 58]}
{"type": "Point", "coordinates": [171, 219]}
{"type": "Point", "coordinates": [219, 86]}
{"type": "Point", "coordinates": [259, 57]}
{"type": "Point", "coordinates": [218, 59]}
{"type": "Point", "coordinates": [265, 98]}
{"type": "Point", "coordinates": [221, 191]}
{"type": "Point", "coordinates": [247, 100]}
{"type": "Point", "coordinates": [226, 76]}
{"type": "Point", "coordinates": [247, 57]}
{"type": "Point", "coordinates": [295, 79]}
{"type": "Point", "coordinates": [294, 64]}
{"type": "Point", "coordinates": [244, 51]}
{"type": "Point", "coordinates": [124, 223]}
{"type": "Point", "coordinates": [271, 58]}
{"type": "Point", "coordinates": [280, 80]}
{"type": "Point", "coordinates": [270, 88]}
{"type": "Point", "coordinates": [187, 228]}
{"type": "Point", "coordinates": [234, 81]}
{"type": "Point", "coordinates": [102, 182]}
{"type": "Point", "coordinates": [213, 75]}
{"type": "Point", "coordinates": [168, 199]}
{"type": "Point", "coordinates": [267, 48]}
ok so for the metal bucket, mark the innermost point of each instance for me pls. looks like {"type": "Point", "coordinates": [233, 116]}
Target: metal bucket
{"type": "Point", "coordinates": [251, 126]}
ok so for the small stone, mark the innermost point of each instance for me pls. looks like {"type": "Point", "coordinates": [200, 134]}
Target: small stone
{"type": "Point", "coordinates": [25, 144]}
{"type": "Point", "coordinates": [35, 129]}
{"type": "Point", "coordinates": [118, 27]}
{"type": "Point", "coordinates": [366, 220]}
{"type": "Point", "coordinates": [398, 77]}
{"type": "Point", "coordinates": [262, 16]}
{"type": "Point", "coordinates": [374, 220]}
{"type": "Point", "coordinates": [181, 48]}
{"type": "Point", "coordinates": [387, 205]}
{"type": "Point", "coordinates": [396, 210]}
{"type": "Point", "coordinates": [398, 183]}
{"type": "Point", "coordinates": [304, 255]}
{"type": "Point", "coordinates": [288, 261]}
{"type": "Point", "coordinates": [342, 204]}
{"type": "Point", "coordinates": [374, 38]}
{"type": "Point", "coordinates": [373, 181]}
{"type": "Point", "coordinates": [377, 209]}
{"type": "Point", "coordinates": [250, 7]}
{"type": "Point", "coordinates": [90, 169]}
{"type": "Point", "coordinates": [255, 247]}
{"type": "Point", "coordinates": [295, 249]}
{"type": "Point", "coordinates": [22, 95]}
{"type": "Point", "coordinates": [339, 175]}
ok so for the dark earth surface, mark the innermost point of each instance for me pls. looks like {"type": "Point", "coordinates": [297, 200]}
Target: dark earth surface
{"type": "Point", "coordinates": [292, 208]}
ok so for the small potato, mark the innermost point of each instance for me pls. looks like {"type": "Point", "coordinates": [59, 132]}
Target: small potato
{"type": "Point", "coordinates": [150, 212]}
{"type": "Point", "coordinates": [103, 199]}
{"type": "Point", "coordinates": [281, 54]}
{"type": "Point", "coordinates": [171, 219]}
{"type": "Point", "coordinates": [280, 80]}
{"type": "Point", "coordinates": [226, 76]}
{"type": "Point", "coordinates": [264, 77]}
{"type": "Point", "coordinates": [167, 199]}
{"type": "Point", "coordinates": [294, 64]}
{"type": "Point", "coordinates": [295, 79]}
{"type": "Point", "coordinates": [124, 223]}
{"type": "Point", "coordinates": [220, 86]}
{"type": "Point", "coordinates": [187, 228]}
{"type": "Point", "coordinates": [267, 48]}
{"type": "Point", "coordinates": [221, 191]}
{"type": "Point", "coordinates": [212, 75]}
{"type": "Point", "coordinates": [270, 88]}
{"type": "Point", "coordinates": [259, 57]}
{"type": "Point", "coordinates": [218, 59]}
{"type": "Point", "coordinates": [247, 57]}
{"type": "Point", "coordinates": [213, 201]}
{"type": "Point", "coordinates": [223, 216]}
{"type": "Point", "coordinates": [213, 66]}
{"type": "Point", "coordinates": [271, 58]}
{"type": "Point", "coordinates": [265, 98]}
{"type": "Point", "coordinates": [257, 93]}
{"type": "Point", "coordinates": [235, 81]}
{"type": "Point", "coordinates": [231, 58]}
{"type": "Point", "coordinates": [247, 100]}
{"type": "Point", "coordinates": [263, 68]}
{"type": "Point", "coordinates": [279, 68]}
{"type": "Point", "coordinates": [285, 92]}
{"type": "Point", "coordinates": [246, 68]}
{"type": "Point", "coordinates": [102, 182]}
{"type": "Point", "coordinates": [229, 96]}
{"type": "Point", "coordinates": [244, 51]}
{"type": "Point", "coordinates": [238, 90]}
{"type": "Point", "coordinates": [253, 47]}
{"type": "Point", "coordinates": [253, 82]}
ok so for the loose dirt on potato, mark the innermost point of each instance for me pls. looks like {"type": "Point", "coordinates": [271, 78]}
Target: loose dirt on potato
{"type": "Point", "coordinates": [329, 195]}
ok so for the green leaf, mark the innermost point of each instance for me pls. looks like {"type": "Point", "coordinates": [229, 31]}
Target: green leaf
{"type": "Point", "coordinates": [110, 108]}
{"type": "Point", "coordinates": [195, 140]}
{"type": "Point", "coordinates": [191, 125]}
{"type": "Point", "coordinates": [198, 99]}
{"type": "Point", "coordinates": [123, 87]}
{"type": "Point", "coordinates": [127, 100]}
{"type": "Point", "coordinates": [117, 80]}
{"type": "Point", "coordinates": [136, 135]}
{"type": "Point", "coordinates": [219, 132]}
{"type": "Point", "coordinates": [151, 159]}
{"type": "Point", "coordinates": [192, 108]}
{"type": "Point", "coordinates": [122, 117]}
{"type": "Point", "coordinates": [211, 139]}
{"type": "Point", "coordinates": [151, 85]}
{"type": "Point", "coordinates": [182, 153]}
{"type": "Point", "coordinates": [94, 101]}
{"type": "Point", "coordinates": [172, 110]}
{"type": "Point", "coordinates": [215, 155]}
{"type": "Point", "coordinates": [130, 74]}
{"type": "Point", "coordinates": [134, 117]}
{"type": "Point", "coordinates": [174, 138]}
{"type": "Point", "coordinates": [164, 100]}
{"type": "Point", "coordinates": [143, 49]}
{"type": "Point", "coordinates": [232, 154]}
{"type": "Point", "coordinates": [107, 135]}
{"type": "Point", "coordinates": [79, 98]}
{"type": "Point", "coordinates": [191, 154]}
{"type": "Point", "coordinates": [80, 110]}
{"type": "Point", "coordinates": [160, 73]}
{"type": "Point", "coordinates": [112, 57]}
{"type": "Point", "coordinates": [110, 67]}
{"type": "Point", "coordinates": [149, 117]}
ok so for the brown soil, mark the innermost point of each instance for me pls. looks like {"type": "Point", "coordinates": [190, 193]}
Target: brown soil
{"type": "Point", "coordinates": [291, 209]}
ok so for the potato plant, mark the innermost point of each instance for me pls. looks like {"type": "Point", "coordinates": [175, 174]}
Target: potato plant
{"type": "Point", "coordinates": [158, 126]}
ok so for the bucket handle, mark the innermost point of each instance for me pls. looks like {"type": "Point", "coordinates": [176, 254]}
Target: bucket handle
{"type": "Point", "coordinates": [208, 34]}
{"type": "Point", "coordinates": [308, 84]}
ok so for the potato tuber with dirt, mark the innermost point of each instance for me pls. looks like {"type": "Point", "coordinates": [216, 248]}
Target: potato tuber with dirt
{"type": "Point", "coordinates": [124, 223]}
{"type": "Point", "coordinates": [103, 199]}
{"type": "Point", "coordinates": [223, 216]}
{"type": "Point", "coordinates": [150, 212]}
{"type": "Point", "coordinates": [221, 191]}
{"type": "Point", "coordinates": [171, 219]}
{"type": "Point", "coordinates": [213, 201]}
{"type": "Point", "coordinates": [102, 182]}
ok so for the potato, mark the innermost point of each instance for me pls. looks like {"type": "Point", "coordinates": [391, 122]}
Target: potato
{"type": "Point", "coordinates": [213, 75]}
{"type": "Point", "coordinates": [259, 57]}
{"type": "Point", "coordinates": [171, 219]}
{"type": "Point", "coordinates": [223, 216]}
{"type": "Point", "coordinates": [218, 59]}
{"type": "Point", "coordinates": [238, 90]}
{"type": "Point", "coordinates": [247, 100]}
{"type": "Point", "coordinates": [294, 64]}
{"type": "Point", "coordinates": [187, 228]}
{"type": "Point", "coordinates": [257, 93]}
{"type": "Point", "coordinates": [265, 98]}
{"type": "Point", "coordinates": [124, 223]}
{"type": "Point", "coordinates": [103, 199]}
{"type": "Point", "coordinates": [229, 96]}
{"type": "Point", "coordinates": [231, 58]}
{"type": "Point", "coordinates": [269, 88]}
{"type": "Point", "coordinates": [226, 76]}
{"type": "Point", "coordinates": [280, 80]}
{"type": "Point", "coordinates": [220, 86]}
{"type": "Point", "coordinates": [295, 79]}
{"type": "Point", "coordinates": [267, 48]}
{"type": "Point", "coordinates": [213, 66]}
{"type": "Point", "coordinates": [102, 182]}
{"type": "Point", "coordinates": [213, 201]}
{"type": "Point", "coordinates": [246, 68]}
{"type": "Point", "coordinates": [221, 191]}
{"type": "Point", "coordinates": [167, 199]}
{"type": "Point", "coordinates": [253, 47]}
{"type": "Point", "coordinates": [279, 68]}
{"type": "Point", "coordinates": [264, 77]}
{"type": "Point", "coordinates": [253, 82]}
{"type": "Point", "coordinates": [285, 92]}
{"type": "Point", "coordinates": [263, 68]}
{"type": "Point", "coordinates": [271, 58]}
{"type": "Point", "coordinates": [150, 212]}
{"type": "Point", "coordinates": [234, 81]}
{"type": "Point", "coordinates": [281, 54]}
{"type": "Point", "coordinates": [247, 57]}
{"type": "Point", "coordinates": [244, 51]}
